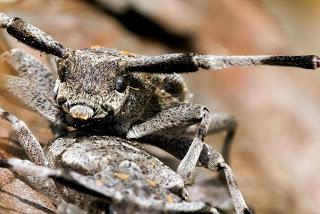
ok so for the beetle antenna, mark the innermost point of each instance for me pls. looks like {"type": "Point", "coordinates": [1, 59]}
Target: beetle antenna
{"type": "Point", "coordinates": [183, 63]}
{"type": "Point", "coordinates": [32, 36]}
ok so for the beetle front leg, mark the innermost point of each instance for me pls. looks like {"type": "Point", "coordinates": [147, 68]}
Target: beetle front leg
{"type": "Point", "coordinates": [29, 67]}
{"type": "Point", "coordinates": [33, 86]}
{"type": "Point", "coordinates": [219, 122]}
{"type": "Point", "coordinates": [35, 153]}
{"type": "Point", "coordinates": [26, 139]}
{"type": "Point", "coordinates": [176, 117]}
{"type": "Point", "coordinates": [186, 168]}
{"type": "Point", "coordinates": [213, 161]}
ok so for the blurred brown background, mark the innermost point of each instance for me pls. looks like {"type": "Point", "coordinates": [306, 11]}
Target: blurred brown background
{"type": "Point", "coordinates": [275, 152]}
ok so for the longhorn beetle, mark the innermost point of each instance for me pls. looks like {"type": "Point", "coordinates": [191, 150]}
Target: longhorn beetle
{"type": "Point", "coordinates": [101, 91]}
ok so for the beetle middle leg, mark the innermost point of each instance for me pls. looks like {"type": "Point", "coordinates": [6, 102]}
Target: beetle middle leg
{"type": "Point", "coordinates": [178, 116]}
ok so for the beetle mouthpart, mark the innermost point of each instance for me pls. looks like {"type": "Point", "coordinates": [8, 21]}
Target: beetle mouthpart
{"type": "Point", "coordinates": [81, 112]}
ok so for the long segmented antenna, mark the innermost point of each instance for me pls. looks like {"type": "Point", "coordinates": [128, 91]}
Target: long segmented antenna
{"type": "Point", "coordinates": [168, 63]}
{"type": "Point", "coordinates": [183, 63]}
{"type": "Point", "coordinates": [32, 36]}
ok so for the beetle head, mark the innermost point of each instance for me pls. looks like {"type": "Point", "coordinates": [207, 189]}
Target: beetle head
{"type": "Point", "coordinates": [91, 85]}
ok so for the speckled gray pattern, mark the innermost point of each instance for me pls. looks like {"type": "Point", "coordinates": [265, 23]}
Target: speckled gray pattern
{"type": "Point", "coordinates": [118, 176]}
{"type": "Point", "coordinates": [110, 96]}
{"type": "Point", "coordinates": [90, 155]}
{"type": "Point", "coordinates": [28, 142]}
{"type": "Point", "coordinates": [30, 95]}
{"type": "Point", "coordinates": [29, 67]}
{"type": "Point", "coordinates": [32, 36]}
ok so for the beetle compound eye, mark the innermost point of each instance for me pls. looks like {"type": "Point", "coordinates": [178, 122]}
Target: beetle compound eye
{"type": "Point", "coordinates": [121, 84]}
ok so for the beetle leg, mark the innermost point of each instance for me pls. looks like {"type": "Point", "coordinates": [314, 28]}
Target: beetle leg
{"type": "Point", "coordinates": [23, 91]}
{"type": "Point", "coordinates": [26, 139]}
{"type": "Point", "coordinates": [175, 117]}
{"type": "Point", "coordinates": [89, 185]}
{"type": "Point", "coordinates": [219, 122]}
{"type": "Point", "coordinates": [28, 67]}
{"type": "Point", "coordinates": [209, 158]}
